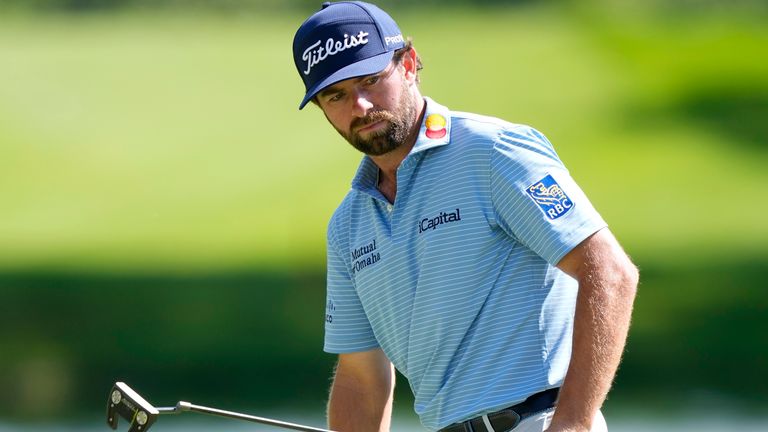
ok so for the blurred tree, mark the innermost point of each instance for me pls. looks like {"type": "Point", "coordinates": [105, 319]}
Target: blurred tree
{"type": "Point", "coordinates": [77, 6]}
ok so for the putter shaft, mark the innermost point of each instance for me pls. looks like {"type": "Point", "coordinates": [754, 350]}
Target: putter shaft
{"type": "Point", "coordinates": [186, 406]}
{"type": "Point", "coordinates": [126, 403]}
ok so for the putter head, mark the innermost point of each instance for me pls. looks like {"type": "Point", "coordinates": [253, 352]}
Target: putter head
{"type": "Point", "coordinates": [126, 403]}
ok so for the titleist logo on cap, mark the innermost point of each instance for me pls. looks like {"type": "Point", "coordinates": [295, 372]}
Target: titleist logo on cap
{"type": "Point", "coordinates": [317, 53]}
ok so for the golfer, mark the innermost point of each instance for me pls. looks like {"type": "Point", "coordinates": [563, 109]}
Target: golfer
{"type": "Point", "coordinates": [464, 256]}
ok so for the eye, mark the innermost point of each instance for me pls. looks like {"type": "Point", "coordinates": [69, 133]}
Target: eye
{"type": "Point", "coordinates": [335, 97]}
{"type": "Point", "coordinates": [372, 80]}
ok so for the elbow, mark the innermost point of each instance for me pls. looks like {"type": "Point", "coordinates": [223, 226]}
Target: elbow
{"type": "Point", "coordinates": [629, 279]}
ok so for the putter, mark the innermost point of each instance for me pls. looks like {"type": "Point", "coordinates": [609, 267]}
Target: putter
{"type": "Point", "coordinates": [126, 403]}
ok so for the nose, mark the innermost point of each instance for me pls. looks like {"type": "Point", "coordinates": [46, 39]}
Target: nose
{"type": "Point", "coordinates": [361, 104]}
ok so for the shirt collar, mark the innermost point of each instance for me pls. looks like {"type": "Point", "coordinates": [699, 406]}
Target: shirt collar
{"type": "Point", "coordinates": [435, 127]}
{"type": "Point", "coordinates": [435, 131]}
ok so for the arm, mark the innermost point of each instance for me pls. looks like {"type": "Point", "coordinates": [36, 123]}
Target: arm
{"type": "Point", "coordinates": [607, 285]}
{"type": "Point", "coordinates": [361, 394]}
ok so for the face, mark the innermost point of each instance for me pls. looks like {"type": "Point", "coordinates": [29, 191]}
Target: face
{"type": "Point", "coordinates": [375, 113]}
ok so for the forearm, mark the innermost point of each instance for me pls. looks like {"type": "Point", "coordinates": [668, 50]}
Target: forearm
{"type": "Point", "coordinates": [599, 336]}
{"type": "Point", "coordinates": [601, 323]}
{"type": "Point", "coordinates": [361, 405]}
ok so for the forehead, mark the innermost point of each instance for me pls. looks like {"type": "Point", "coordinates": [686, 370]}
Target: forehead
{"type": "Point", "coordinates": [333, 88]}
{"type": "Point", "coordinates": [341, 85]}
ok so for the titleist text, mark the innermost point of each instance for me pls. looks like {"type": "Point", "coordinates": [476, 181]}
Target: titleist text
{"type": "Point", "coordinates": [317, 52]}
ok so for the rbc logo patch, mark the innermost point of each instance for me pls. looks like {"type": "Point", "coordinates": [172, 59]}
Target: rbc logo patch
{"type": "Point", "coordinates": [550, 197]}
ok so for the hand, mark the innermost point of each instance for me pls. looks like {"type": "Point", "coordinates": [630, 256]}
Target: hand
{"type": "Point", "coordinates": [560, 424]}
{"type": "Point", "coordinates": [556, 428]}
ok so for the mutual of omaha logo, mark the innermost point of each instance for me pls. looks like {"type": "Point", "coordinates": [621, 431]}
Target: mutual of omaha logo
{"type": "Point", "coordinates": [550, 197]}
{"type": "Point", "coordinates": [364, 256]}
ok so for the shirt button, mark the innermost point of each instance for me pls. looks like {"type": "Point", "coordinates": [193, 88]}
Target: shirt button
{"type": "Point", "coordinates": [389, 207]}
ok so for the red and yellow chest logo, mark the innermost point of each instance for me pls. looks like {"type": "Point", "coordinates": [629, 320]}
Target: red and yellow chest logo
{"type": "Point", "coordinates": [435, 124]}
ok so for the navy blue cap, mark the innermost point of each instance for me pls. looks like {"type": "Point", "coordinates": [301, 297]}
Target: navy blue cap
{"type": "Point", "coordinates": [343, 40]}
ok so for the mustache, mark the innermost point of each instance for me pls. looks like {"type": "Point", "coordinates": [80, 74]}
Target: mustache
{"type": "Point", "coordinates": [372, 117]}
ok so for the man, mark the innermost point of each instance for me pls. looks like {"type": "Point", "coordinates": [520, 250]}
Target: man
{"type": "Point", "coordinates": [464, 254]}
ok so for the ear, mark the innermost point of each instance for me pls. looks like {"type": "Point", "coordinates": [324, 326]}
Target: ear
{"type": "Point", "coordinates": [409, 64]}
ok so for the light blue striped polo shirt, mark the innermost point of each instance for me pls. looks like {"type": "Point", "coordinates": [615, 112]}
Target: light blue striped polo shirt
{"type": "Point", "coordinates": [456, 281]}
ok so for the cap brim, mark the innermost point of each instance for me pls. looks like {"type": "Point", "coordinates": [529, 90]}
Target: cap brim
{"type": "Point", "coordinates": [368, 66]}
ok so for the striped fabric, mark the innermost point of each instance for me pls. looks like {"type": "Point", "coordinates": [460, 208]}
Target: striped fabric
{"type": "Point", "coordinates": [456, 280]}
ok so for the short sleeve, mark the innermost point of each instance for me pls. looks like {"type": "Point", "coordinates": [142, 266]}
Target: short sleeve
{"type": "Point", "coordinates": [347, 328]}
{"type": "Point", "coordinates": [535, 199]}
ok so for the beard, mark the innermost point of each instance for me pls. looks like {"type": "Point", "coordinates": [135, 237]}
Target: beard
{"type": "Point", "coordinates": [400, 123]}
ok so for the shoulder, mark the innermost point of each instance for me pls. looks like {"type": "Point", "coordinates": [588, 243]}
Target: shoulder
{"type": "Point", "coordinates": [494, 129]}
{"type": "Point", "coordinates": [500, 138]}
{"type": "Point", "coordinates": [340, 222]}
{"type": "Point", "coordinates": [468, 125]}
{"type": "Point", "coordinates": [340, 216]}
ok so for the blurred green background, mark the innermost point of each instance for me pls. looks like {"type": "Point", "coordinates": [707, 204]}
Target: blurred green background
{"type": "Point", "coordinates": [163, 203]}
